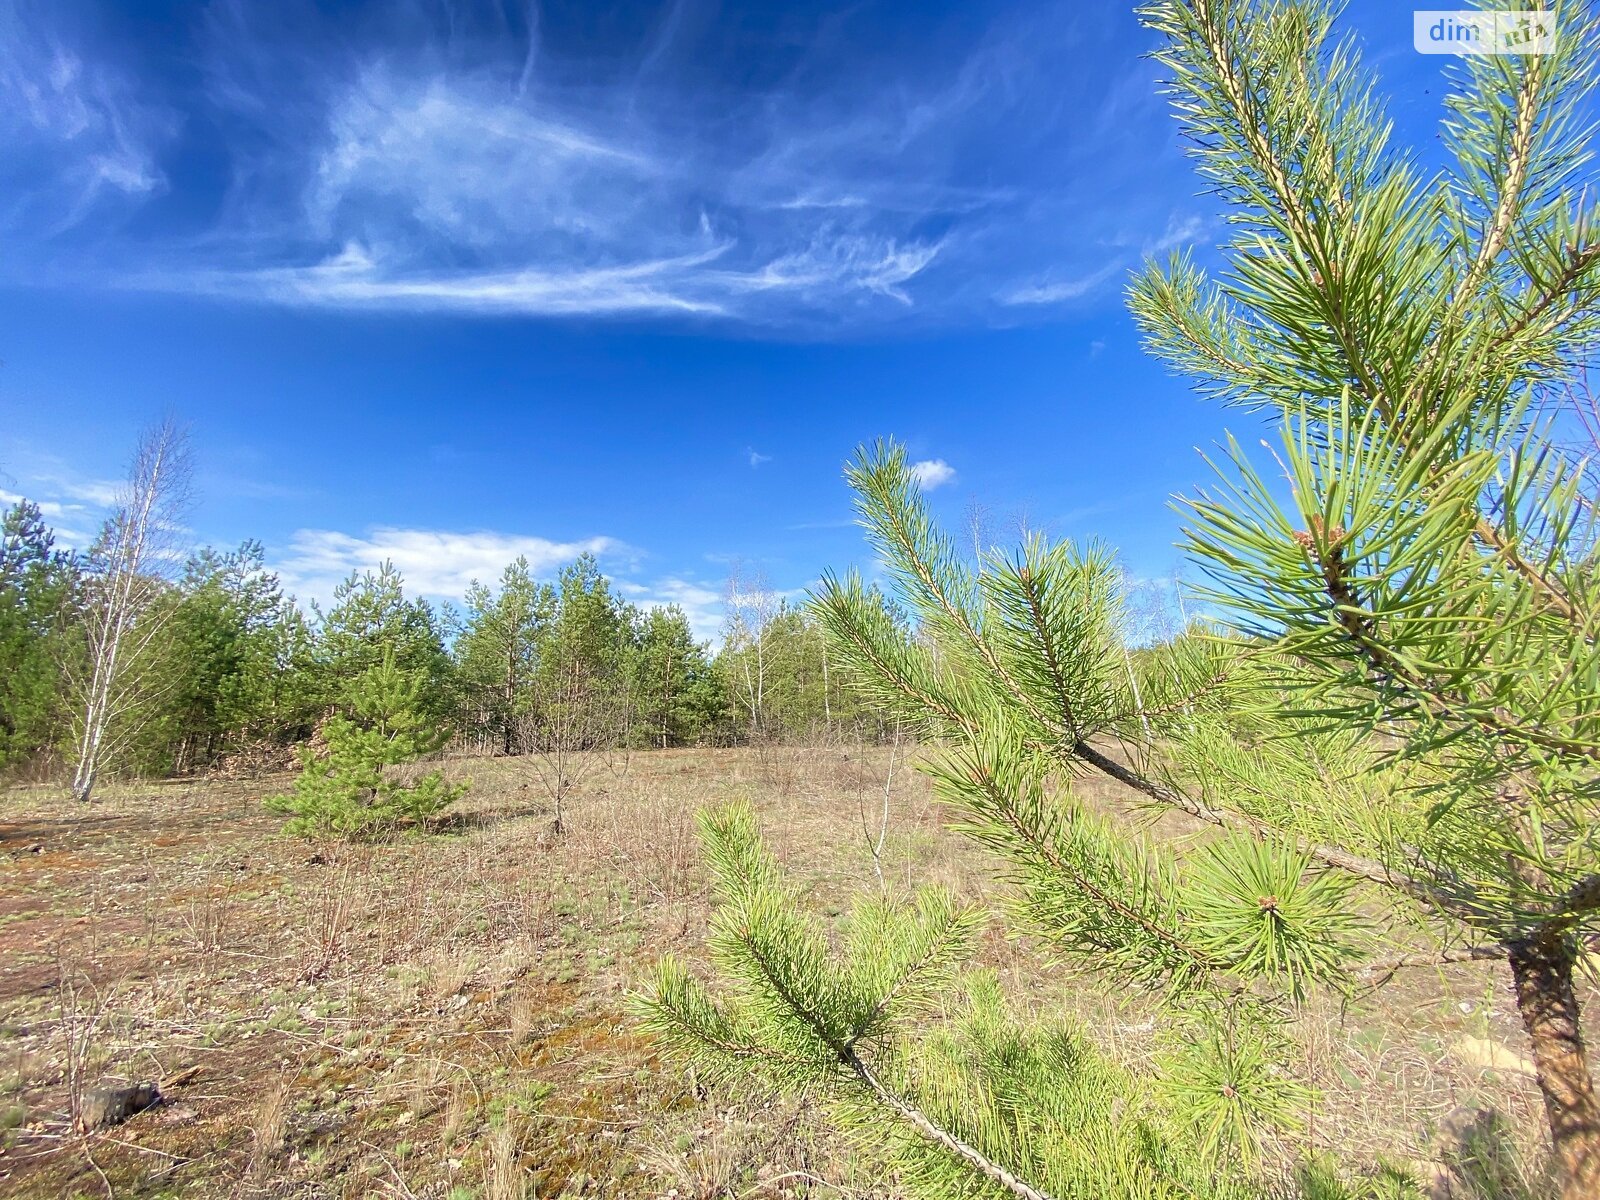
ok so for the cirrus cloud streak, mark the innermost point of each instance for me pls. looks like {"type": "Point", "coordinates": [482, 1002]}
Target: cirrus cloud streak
{"type": "Point", "coordinates": [774, 173]}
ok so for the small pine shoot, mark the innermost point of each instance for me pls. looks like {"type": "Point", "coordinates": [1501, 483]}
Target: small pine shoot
{"type": "Point", "coordinates": [914, 1054]}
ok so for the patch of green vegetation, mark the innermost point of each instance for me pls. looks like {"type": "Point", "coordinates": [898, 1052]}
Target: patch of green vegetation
{"type": "Point", "coordinates": [288, 1021]}
{"type": "Point", "coordinates": [523, 1100]}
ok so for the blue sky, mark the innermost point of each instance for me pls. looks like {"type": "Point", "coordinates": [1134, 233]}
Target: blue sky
{"type": "Point", "coordinates": [447, 283]}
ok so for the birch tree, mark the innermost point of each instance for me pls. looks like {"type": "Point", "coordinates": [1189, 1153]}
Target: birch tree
{"type": "Point", "coordinates": [127, 570]}
{"type": "Point", "coordinates": [750, 606]}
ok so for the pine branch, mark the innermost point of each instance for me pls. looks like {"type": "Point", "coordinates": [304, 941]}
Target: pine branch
{"type": "Point", "coordinates": [1355, 864]}
{"type": "Point", "coordinates": [1516, 173]}
{"type": "Point", "coordinates": [885, 512]}
{"type": "Point", "coordinates": [937, 943]}
{"type": "Point", "coordinates": [940, 1136]}
{"type": "Point", "coordinates": [845, 1051]}
{"type": "Point", "coordinates": [1028, 580]}
{"type": "Point", "coordinates": [1579, 260]}
{"type": "Point", "coordinates": [910, 555]}
{"type": "Point", "coordinates": [1029, 834]}
{"type": "Point", "coordinates": [1359, 629]}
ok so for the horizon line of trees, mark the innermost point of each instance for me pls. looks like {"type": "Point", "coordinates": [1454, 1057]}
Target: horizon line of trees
{"type": "Point", "coordinates": [219, 668]}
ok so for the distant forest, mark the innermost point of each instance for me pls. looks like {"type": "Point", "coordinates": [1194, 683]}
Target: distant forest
{"type": "Point", "coordinates": [223, 670]}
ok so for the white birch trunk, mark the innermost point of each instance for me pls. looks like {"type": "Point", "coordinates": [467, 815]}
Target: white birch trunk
{"type": "Point", "coordinates": [130, 564]}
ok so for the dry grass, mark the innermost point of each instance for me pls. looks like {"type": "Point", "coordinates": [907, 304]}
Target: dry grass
{"type": "Point", "coordinates": [505, 1179]}
{"type": "Point", "coordinates": [448, 1011]}
{"type": "Point", "coordinates": [270, 1128]}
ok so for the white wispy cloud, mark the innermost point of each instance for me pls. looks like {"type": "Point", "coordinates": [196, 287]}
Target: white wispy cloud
{"type": "Point", "coordinates": [836, 523]}
{"type": "Point", "coordinates": [438, 564]}
{"type": "Point", "coordinates": [100, 493]}
{"type": "Point", "coordinates": [932, 473]}
{"type": "Point", "coordinates": [355, 279]}
{"type": "Point", "coordinates": [702, 604]}
{"type": "Point", "coordinates": [434, 186]}
{"type": "Point", "coordinates": [1182, 229]}
{"type": "Point", "coordinates": [74, 504]}
{"type": "Point", "coordinates": [76, 136]}
{"type": "Point", "coordinates": [69, 523]}
{"type": "Point", "coordinates": [455, 162]}
{"type": "Point", "coordinates": [1057, 291]}
{"type": "Point", "coordinates": [755, 457]}
{"type": "Point", "coordinates": [47, 508]}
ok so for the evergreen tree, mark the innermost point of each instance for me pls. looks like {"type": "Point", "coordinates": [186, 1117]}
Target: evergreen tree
{"type": "Point", "coordinates": [226, 638]}
{"type": "Point", "coordinates": [582, 702]}
{"type": "Point", "coordinates": [498, 652]}
{"type": "Point", "coordinates": [1430, 574]}
{"type": "Point", "coordinates": [294, 700]}
{"type": "Point", "coordinates": [1402, 719]}
{"type": "Point", "coordinates": [371, 618]}
{"type": "Point", "coordinates": [593, 628]}
{"type": "Point", "coordinates": [678, 695]}
{"type": "Point", "coordinates": [350, 789]}
{"type": "Point", "coordinates": [585, 660]}
{"type": "Point", "coordinates": [36, 594]}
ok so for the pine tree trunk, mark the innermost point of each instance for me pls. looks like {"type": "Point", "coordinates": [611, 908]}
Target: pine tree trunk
{"type": "Point", "coordinates": [511, 693]}
{"type": "Point", "coordinates": [1542, 968]}
{"type": "Point", "coordinates": [666, 697]}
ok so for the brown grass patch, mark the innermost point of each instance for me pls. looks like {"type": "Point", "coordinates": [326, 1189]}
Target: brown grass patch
{"type": "Point", "coordinates": [448, 1009]}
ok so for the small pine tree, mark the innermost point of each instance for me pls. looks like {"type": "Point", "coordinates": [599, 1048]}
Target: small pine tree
{"type": "Point", "coordinates": [371, 616]}
{"type": "Point", "coordinates": [1427, 574]}
{"type": "Point", "coordinates": [350, 790]}
{"type": "Point", "coordinates": [502, 636]}
{"type": "Point", "coordinates": [677, 696]}
{"type": "Point", "coordinates": [1404, 715]}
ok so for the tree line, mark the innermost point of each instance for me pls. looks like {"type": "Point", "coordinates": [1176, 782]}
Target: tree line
{"type": "Point", "coordinates": [153, 664]}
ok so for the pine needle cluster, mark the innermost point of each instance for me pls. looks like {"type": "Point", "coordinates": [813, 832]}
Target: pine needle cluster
{"type": "Point", "coordinates": [889, 1020]}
